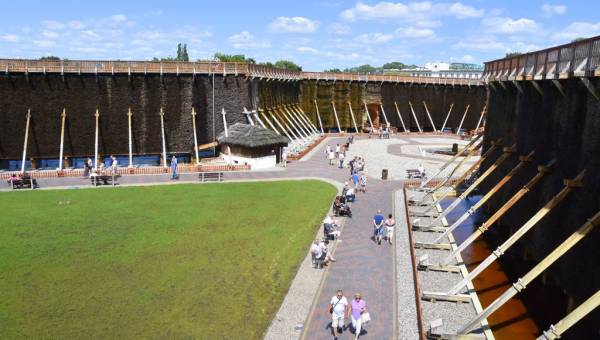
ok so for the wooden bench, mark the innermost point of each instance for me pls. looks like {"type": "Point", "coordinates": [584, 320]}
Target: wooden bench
{"type": "Point", "coordinates": [104, 180]}
{"type": "Point", "coordinates": [24, 183]}
{"type": "Point", "coordinates": [210, 177]}
{"type": "Point", "coordinates": [415, 174]}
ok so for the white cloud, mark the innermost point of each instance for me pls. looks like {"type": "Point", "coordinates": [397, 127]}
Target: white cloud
{"type": "Point", "coordinates": [76, 24]}
{"type": "Point", "coordinates": [461, 11]}
{"type": "Point", "coordinates": [308, 50]}
{"type": "Point", "coordinates": [414, 33]}
{"type": "Point", "coordinates": [483, 43]}
{"type": "Point", "coordinates": [412, 11]}
{"type": "Point", "coordinates": [245, 40]}
{"type": "Point", "coordinates": [53, 25]}
{"type": "Point", "coordinates": [119, 18]}
{"type": "Point", "coordinates": [509, 26]}
{"type": "Point", "coordinates": [50, 34]}
{"type": "Point", "coordinates": [374, 38]}
{"type": "Point", "coordinates": [578, 30]}
{"type": "Point", "coordinates": [9, 37]}
{"type": "Point", "coordinates": [293, 25]}
{"type": "Point", "coordinates": [90, 33]}
{"type": "Point", "coordinates": [551, 10]}
{"type": "Point", "coordinates": [44, 43]}
{"type": "Point", "coordinates": [339, 29]}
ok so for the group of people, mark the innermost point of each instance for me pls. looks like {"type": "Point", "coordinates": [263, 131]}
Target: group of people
{"type": "Point", "coordinates": [340, 309]}
{"type": "Point", "coordinates": [383, 228]}
{"type": "Point", "coordinates": [101, 170]}
{"type": "Point", "coordinates": [320, 254]}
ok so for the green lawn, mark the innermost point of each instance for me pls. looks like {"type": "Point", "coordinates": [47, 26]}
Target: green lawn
{"type": "Point", "coordinates": [173, 261]}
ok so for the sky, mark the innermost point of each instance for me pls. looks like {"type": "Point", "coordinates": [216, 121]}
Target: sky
{"type": "Point", "coordinates": [317, 35]}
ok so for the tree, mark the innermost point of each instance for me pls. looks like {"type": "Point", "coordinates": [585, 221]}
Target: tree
{"type": "Point", "coordinates": [288, 65]}
{"type": "Point", "coordinates": [396, 65]}
{"type": "Point", "coordinates": [238, 58]}
{"type": "Point", "coordinates": [333, 70]}
{"type": "Point", "coordinates": [512, 54]}
{"type": "Point", "coordinates": [50, 57]}
{"type": "Point", "coordinates": [184, 54]}
{"type": "Point", "coordinates": [266, 63]}
{"type": "Point", "coordinates": [362, 69]}
{"type": "Point", "coordinates": [578, 39]}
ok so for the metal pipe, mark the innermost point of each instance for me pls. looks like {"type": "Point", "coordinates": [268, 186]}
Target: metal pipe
{"type": "Point", "coordinates": [542, 170]}
{"type": "Point", "coordinates": [63, 116]}
{"type": "Point", "coordinates": [569, 185]}
{"type": "Point", "coordinates": [400, 116]}
{"type": "Point", "coordinates": [447, 116]}
{"type": "Point", "coordinates": [521, 284]}
{"type": "Point", "coordinates": [415, 116]}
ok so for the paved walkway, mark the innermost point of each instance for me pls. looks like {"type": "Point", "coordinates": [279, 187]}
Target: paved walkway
{"type": "Point", "coordinates": [362, 266]}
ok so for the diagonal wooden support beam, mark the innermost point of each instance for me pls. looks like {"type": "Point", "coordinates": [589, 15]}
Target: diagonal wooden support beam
{"type": "Point", "coordinates": [569, 185]}
{"type": "Point", "coordinates": [369, 117]}
{"type": "Point", "coordinates": [590, 87]}
{"type": "Point", "coordinates": [542, 171]}
{"type": "Point", "coordinates": [522, 161]}
{"type": "Point", "coordinates": [559, 86]}
{"type": "Point", "coordinates": [447, 116]}
{"type": "Point", "coordinates": [463, 119]}
{"type": "Point", "coordinates": [353, 119]}
{"type": "Point", "coordinates": [556, 331]}
{"type": "Point", "coordinates": [319, 116]}
{"type": "Point", "coordinates": [400, 116]}
{"type": "Point", "coordinates": [415, 116]}
{"type": "Point", "coordinates": [537, 87]}
{"type": "Point", "coordinates": [522, 283]}
{"type": "Point", "coordinates": [506, 153]}
{"type": "Point", "coordinates": [303, 114]}
{"type": "Point", "coordinates": [261, 112]}
{"type": "Point", "coordinates": [429, 115]}
{"type": "Point", "coordinates": [336, 117]}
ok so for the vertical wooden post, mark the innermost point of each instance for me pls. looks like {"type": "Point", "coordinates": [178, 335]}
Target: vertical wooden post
{"type": "Point", "coordinates": [369, 117]}
{"type": "Point", "coordinates": [164, 142]}
{"type": "Point", "coordinates": [63, 117]}
{"type": "Point", "coordinates": [429, 115]}
{"type": "Point", "coordinates": [26, 140]}
{"type": "Point", "coordinates": [195, 136]}
{"type": "Point", "coordinates": [415, 116]}
{"type": "Point", "coordinates": [387, 123]}
{"type": "Point", "coordinates": [353, 119]}
{"type": "Point", "coordinates": [97, 116]}
{"type": "Point", "coordinates": [481, 117]}
{"type": "Point", "coordinates": [336, 117]}
{"type": "Point", "coordinates": [129, 114]}
{"type": "Point", "coordinates": [400, 116]}
{"type": "Point", "coordinates": [319, 116]}
{"type": "Point", "coordinates": [447, 116]}
{"type": "Point", "coordinates": [463, 119]}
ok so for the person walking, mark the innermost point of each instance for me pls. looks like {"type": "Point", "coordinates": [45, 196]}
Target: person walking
{"type": "Point", "coordinates": [358, 307]}
{"type": "Point", "coordinates": [337, 150]}
{"type": "Point", "coordinates": [338, 308]}
{"type": "Point", "coordinates": [174, 168]}
{"type": "Point", "coordinates": [284, 158]}
{"type": "Point", "coordinates": [331, 158]}
{"type": "Point", "coordinates": [378, 229]}
{"type": "Point", "coordinates": [355, 180]}
{"type": "Point", "coordinates": [390, 223]}
{"type": "Point", "coordinates": [341, 158]}
{"type": "Point", "coordinates": [114, 164]}
{"type": "Point", "coordinates": [363, 182]}
{"type": "Point", "coordinates": [327, 151]}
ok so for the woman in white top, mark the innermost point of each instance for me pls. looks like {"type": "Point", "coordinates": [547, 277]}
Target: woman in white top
{"type": "Point", "coordinates": [389, 225]}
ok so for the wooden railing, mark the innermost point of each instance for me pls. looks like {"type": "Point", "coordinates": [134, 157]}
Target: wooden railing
{"type": "Point", "coordinates": [206, 67]}
{"type": "Point", "coordinates": [577, 59]}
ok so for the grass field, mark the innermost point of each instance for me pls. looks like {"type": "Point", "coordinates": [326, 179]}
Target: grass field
{"type": "Point", "coordinates": [174, 261]}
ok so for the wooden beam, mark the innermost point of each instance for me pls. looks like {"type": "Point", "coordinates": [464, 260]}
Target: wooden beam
{"type": "Point", "coordinates": [414, 116]}
{"type": "Point", "coordinates": [447, 116]}
{"type": "Point", "coordinates": [400, 117]}
{"type": "Point", "coordinates": [319, 116]}
{"type": "Point", "coordinates": [429, 115]}
{"type": "Point", "coordinates": [556, 331]}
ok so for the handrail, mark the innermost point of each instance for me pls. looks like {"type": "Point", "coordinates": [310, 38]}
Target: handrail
{"type": "Point", "coordinates": [210, 68]}
{"type": "Point", "coordinates": [577, 59]}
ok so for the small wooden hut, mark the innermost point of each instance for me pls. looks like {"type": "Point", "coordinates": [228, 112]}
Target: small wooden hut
{"type": "Point", "coordinates": [251, 144]}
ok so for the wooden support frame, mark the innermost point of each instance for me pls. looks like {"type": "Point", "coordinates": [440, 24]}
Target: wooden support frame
{"type": "Point", "coordinates": [559, 197]}
{"type": "Point", "coordinates": [262, 112]}
{"type": "Point", "coordinates": [257, 117]}
{"type": "Point", "coordinates": [590, 87]}
{"type": "Point", "coordinates": [97, 116]}
{"type": "Point", "coordinates": [522, 283]}
{"type": "Point", "coordinates": [301, 125]}
{"type": "Point", "coordinates": [226, 133]}
{"type": "Point", "coordinates": [337, 121]}
{"type": "Point", "coordinates": [447, 116]}
{"type": "Point", "coordinates": [306, 123]}
{"type": "Point", "coordinates": [319, 116]}
{"type": "Point", "coordinates": [369, 117]}
{"type": "Point", "coordinates": [483, 112]}
{"type": "Point", "coordinates": [522, 161]}
{"type": "Point", "coordinates": [26, 140]}
{"type": "Point", "coordinates": [435, 296]}
{"type": "Point", "coordinates": [286, 117]}
{"type": "Point", "coordinates": [303, 114]}
{"type": "Point", "coordinates": [63, 117]}
{"type": "Point", "coordinates": [414, 116]}
{"type": "Point", "coordinates": [463, 119]}
{"type": "Point", "coordinates": [130, 137]}
{"type": "Point", "coordinates": [286, 130]}
{"type": "Point", "coordinates": [196, 136]}
{"type": "Point", "coordinates": [506, 153]}
{"type": "Point", "coordinates": [248, 115]}
{"type": "Point", "coordinates": [429, 116]}
{"type": "Point", "coordinates": [542, 171]}
{"type": "Point", "coordinates": [353, 119]}
{"type": "Point", "coordinates": [556, 331]}
{"type": "Point", "coordinates": [162, 132]}
{"type": "Point", "coordinates": [387, 122]}
{"type": "Point", "coordinates": [559, 86]}
{"type": "Point", "coordinates": [400, 117]}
